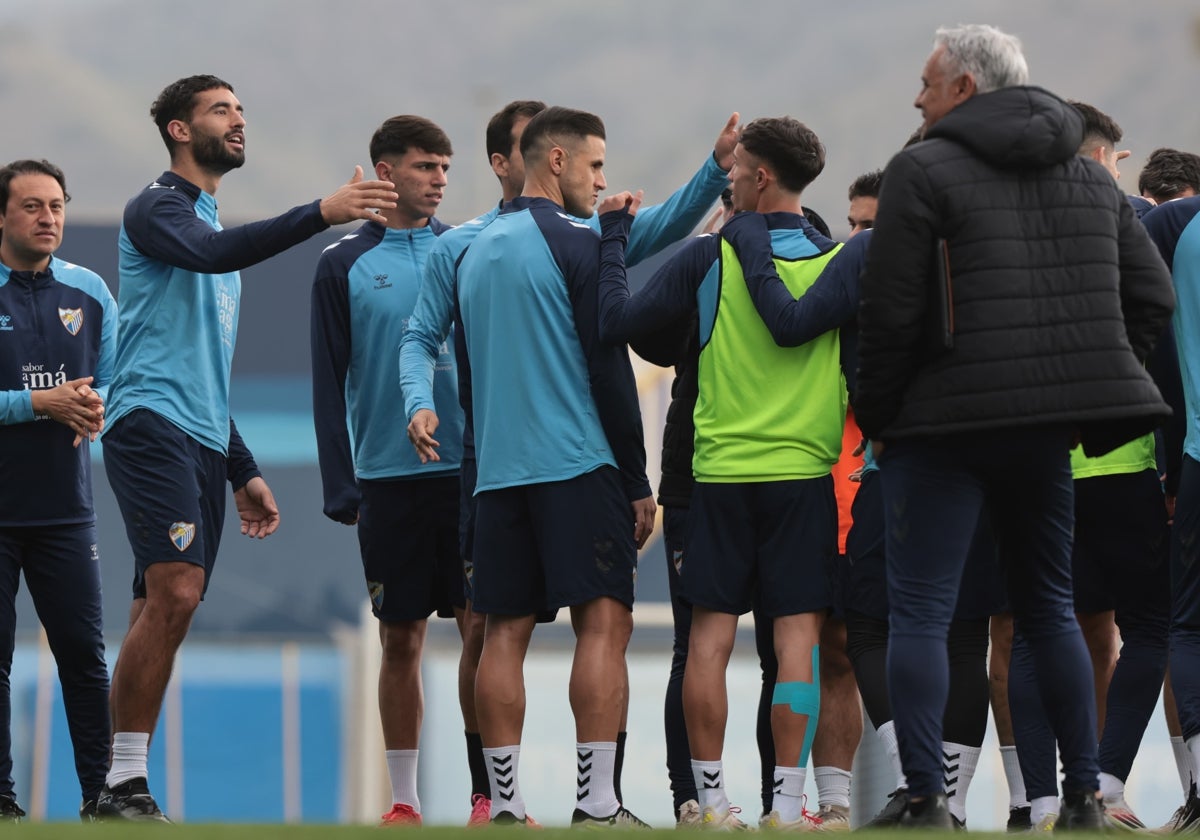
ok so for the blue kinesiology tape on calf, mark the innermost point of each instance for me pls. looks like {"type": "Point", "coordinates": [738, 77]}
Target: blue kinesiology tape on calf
{"type": "Point", "coordinates": [803, 698]}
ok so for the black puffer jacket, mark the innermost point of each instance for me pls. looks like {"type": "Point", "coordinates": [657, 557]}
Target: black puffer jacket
{"type": "Point", "coordinates": [1058, 293]}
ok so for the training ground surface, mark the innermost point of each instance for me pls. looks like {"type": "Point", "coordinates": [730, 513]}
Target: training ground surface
{"type": "Point", "coordinates": [110, 831]}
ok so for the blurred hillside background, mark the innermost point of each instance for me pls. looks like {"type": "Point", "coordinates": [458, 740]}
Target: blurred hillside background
{"type": "Point", "coordinates": [77, 78]}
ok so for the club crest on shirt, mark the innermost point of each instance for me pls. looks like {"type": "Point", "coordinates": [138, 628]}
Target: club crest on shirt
{"type": "Point", "coordinates": [72, 319]}
{"type": "Point", "coordinates": [182, 534]}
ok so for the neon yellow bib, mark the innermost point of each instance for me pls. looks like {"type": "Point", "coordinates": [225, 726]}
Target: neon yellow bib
{"type": "Point", "coordinates": [765, 412]}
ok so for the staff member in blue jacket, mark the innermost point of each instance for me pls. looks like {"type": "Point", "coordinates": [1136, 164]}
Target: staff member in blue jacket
{"type": "Point", "coordinates": [58, 328]}
{"type": "Point", "coordinates": [170, 445]}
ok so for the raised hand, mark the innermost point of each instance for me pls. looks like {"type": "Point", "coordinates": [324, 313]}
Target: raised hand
{"type": "Point", "coordinates": [726, 141]}
{"type": "Point", "coordinates": [358, 199]}
{"type": "Point", "coordinates": [627, 201]}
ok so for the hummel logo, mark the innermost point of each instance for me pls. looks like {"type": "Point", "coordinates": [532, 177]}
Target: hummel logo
{"type": "Point", "coordinates": [712, 781]}
{"type": "Point", "coordinates": [6, 322]}
{"type": "Point", "coordinates": [779, 785]}
{"type": "Point", "coordinates": [502, 769]}
{"type": "Point", "coordinates": [381, 281]}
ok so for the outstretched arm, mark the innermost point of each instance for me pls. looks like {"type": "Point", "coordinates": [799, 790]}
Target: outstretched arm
{"type": "Point", "coordinates": [659, 225]}
{"type": "Point", "coordinates": [828, 304]}
{"type": "Point", "coordinates": [168, 229]}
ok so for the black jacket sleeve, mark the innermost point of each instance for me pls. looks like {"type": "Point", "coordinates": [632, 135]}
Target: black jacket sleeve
{"type": "Point", "coordinates": [895, 294]}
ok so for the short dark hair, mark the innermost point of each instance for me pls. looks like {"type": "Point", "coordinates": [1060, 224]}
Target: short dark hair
{"type": "Point", "coordinates": [792, 150]}
{"type": "Point", "coordinates": [814, 219]}
{"type": "Point", "coordinates": [29, 167]}
{"type": "Point", "coordinates": [1167, 173]}
{"type": "Point", "coordinates": [555, 122]}
{"type": "Point", "coordinates": [398, 134]}
{"type": "Point", "coordinates": [177, 101]}
{"type": "Point", "coordinates": [500, 126]}
{"type": "Point", "coordinates": [866, 185]}
{"type": "Point", "coordinates": [1099, 129]}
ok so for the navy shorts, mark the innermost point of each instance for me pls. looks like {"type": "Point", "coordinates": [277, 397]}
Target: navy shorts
{"type": "Point", "coordinates": [171, 491]}
{"type": "Point", "coordinates": [981, 592]}
{"type": "Point", "coordinates": [774, 538]}
{"type": "Point", "coordinates": [468, 475]}
{"type": "Point", "coordinates": [408, 536]}
{"type": "Point", "coordinates": [1122, 542]}
{"type": "Point", "coordinates": [557, 544]}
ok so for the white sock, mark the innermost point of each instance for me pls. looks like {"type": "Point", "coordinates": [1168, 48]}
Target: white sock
{"type": "Point", "coordinates": [710, 785]}
{"type": "Point", "coordinates": [129, 750]}
{"type": "Point", "coordinates": [958, 766]}
{"type": "Point", "coordinates": [596, 763]}
{"type": "Point", "coordinates": [402, 770]}
{"type": "Point", "coordinates": [833, 786]}
{"type": "Point", "coordinates": [1040, 807]}
{"type": "Point", "coordinates": [1183, 763]}
{"type": "Point", "coordinates": [1111, 788]}
{"type": "Point", "coordinates": [1016, 782]}
{"type": "Point", "coordinates": [887, 736]}
{"type": "Point", "coordinates": [502, 763]}
{"type": "Point", "coordinates": [789, 792]}
{"type": "Point", "coordinates": [1193, 745]}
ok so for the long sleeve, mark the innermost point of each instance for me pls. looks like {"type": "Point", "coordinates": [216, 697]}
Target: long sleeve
{"type": "Point", "coordinates": [664, 301]}
{"type": "Point", "coordinates": [613, 384]}
{"type": "Point", "coordinates": [1147, 297]}
{"type": "Point", "coordinates": [16, 407]}
{"type": "Point", "coordinates": [657, 226]}
{"type": "Point", "coordinates": [330, 340]}
{"type": "Point", "coordinates": [428, 329]}
{"type": "Point", "coordinates": [108, 348]}
{"type": "Point", "coordinates": [895, 295]}
{"type": "Point", "coordinates": [240, 466]}
{"type": "Point", "coordinates": [828, 304]}
{"type": "Point", "coordinates": [168, 229]}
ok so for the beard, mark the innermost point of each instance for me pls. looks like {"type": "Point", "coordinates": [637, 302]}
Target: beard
{"type": "Point", "coordinates": [211, 153]}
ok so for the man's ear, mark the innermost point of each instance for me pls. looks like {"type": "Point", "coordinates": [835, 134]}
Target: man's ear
{"type": "Point", "coordinates": [1098, 154]}
{"type": "Point", "coordinates": [383, 171]}
{"type": "Point", "coordinates": [179, 131]}
{"type": "Point", "coordinates": [762, 178]}
{"type": "Point", "coordinates": [964, 88]}
{"type": "Point", "coordinates": [557, 157]}
{"type": "Point", "coordinates": [499, 165]}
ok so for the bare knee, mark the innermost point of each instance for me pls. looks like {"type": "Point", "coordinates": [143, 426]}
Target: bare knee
{"type": "Point", "coordinates": [402, 641]}
{"type": "Point", "coordinates": [173, 592]}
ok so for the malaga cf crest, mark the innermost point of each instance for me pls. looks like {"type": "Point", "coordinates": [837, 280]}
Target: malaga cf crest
{"type": "Point", "coordinates": [72, 319]}
{"type": "Point", "coordinates": [375, 590]}
{"type": "Point", "coordinates": [182, 534]}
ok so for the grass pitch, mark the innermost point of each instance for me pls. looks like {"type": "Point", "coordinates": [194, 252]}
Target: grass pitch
{"type": "Point", "coordinates": [221, 831]}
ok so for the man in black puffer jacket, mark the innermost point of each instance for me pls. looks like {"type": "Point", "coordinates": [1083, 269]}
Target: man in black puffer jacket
{"type": "Point", "coordinates": [1009, 299]}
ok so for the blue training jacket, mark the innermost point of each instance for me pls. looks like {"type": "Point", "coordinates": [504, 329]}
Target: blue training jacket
{"type": "Point", "coordinates": [363, 296]}
{"type": "Point", "coordinates": [55, 326]}
{"type": "Point", "coordinates": [179, 297]}
{"type": "Point", "coordinates": [654, 228]}
{"type": "Point", "coordinates": [549, 402]}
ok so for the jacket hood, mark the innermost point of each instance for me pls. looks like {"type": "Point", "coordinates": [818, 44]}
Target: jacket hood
{"type": "Point", "coordinates": [1014, 128]}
